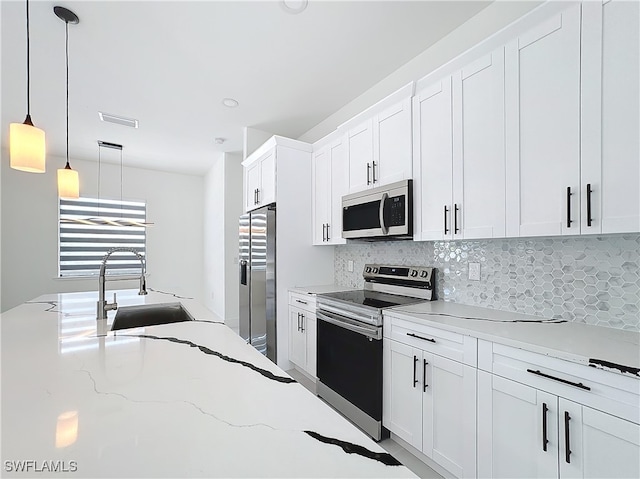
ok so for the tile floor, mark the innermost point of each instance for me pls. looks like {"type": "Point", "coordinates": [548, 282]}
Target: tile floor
{"type": "Point", "coordinates": [418, 467]}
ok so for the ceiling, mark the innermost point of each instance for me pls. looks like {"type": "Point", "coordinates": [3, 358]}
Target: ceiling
{"type": "Point", "coordinates": [170, 64]}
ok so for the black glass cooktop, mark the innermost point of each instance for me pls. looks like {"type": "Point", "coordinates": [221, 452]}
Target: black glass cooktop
{"type": "Point", "coordinates": [373, 299]}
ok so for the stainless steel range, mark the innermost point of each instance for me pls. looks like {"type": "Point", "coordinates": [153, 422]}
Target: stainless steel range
{"type": "Point", "coordinates": [349, 342]}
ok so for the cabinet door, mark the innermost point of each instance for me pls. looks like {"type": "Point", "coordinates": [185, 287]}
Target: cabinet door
{"type": "Point", "coordinates": [392, 144]}
{"type": "Point", "coordinates": [449, 414]}
{"type": "Point", "coordinates": [402, 399]}
{"type": "Point", "coordinates": [297, 338]}
{"type": "Point", "coordinates": [433, 161]}
{"type": "Point", "coordinates": [321, 190]}
{"type": "Point", "coordinates": [478, 152]}
{"type": "Point", "coordinates": [310, 329]}
{"type": "Point", "coordinates": [252, 175]}
{"type": "Point", "coordinates": [512, 420]}
{"type": "Point", "coordinates": [542, 105]}
{"type": "Point", "coordinates": [610, 117]}
{"type": "Point", "coordinates": [339, 174]}
{"type": "Point", "coordinates": [267, 193]}
{"type": "Point", "coordinates": [595, 444]}
{"type": "Point", "coordinates": [360, 153]}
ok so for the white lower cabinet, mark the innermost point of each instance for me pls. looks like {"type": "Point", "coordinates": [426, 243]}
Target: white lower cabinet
{"type": "Point", "coordinates": [302, 332]}
{"type": "Point", "coordinates": [429, 402]}
{"type": "Point", "coordinates": [526, 432]}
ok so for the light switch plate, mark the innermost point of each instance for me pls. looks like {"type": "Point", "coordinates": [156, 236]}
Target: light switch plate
{"type": "Point", "coordinates": [474, 271]}
{"type": "Point", "coordinates": [350, 266]}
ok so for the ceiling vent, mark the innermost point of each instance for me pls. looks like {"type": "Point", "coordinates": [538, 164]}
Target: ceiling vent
{"type": "Point", "coordinates": [118, 120]}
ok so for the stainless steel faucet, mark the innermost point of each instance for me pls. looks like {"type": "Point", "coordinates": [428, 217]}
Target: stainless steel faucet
{"type": "Point", "coordinates": [102, 305]}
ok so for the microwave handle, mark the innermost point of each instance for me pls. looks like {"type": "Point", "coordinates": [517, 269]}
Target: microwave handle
{"type": "Point", "coordinates": [384, 228]}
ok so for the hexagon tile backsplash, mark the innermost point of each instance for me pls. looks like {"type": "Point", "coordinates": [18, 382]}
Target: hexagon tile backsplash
{"type": "Point", "coordinates": [593, 280]}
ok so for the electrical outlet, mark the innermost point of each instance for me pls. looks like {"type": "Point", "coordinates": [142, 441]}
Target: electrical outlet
{"type": "Point", "coordinates": [350, 266]}
{"type": "Point", "coordinates": [474, 271]}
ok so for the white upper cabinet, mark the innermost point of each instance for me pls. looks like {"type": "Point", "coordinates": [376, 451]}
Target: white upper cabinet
{"type": "Point", "coordinates": [610, 117]}
{"type": "Point", "coordinates": [478, 149]}
{"type": "Point", "coordinates": [433, 161]}
{"type": "Point", "coordinates": [542, 105]}
{"type": "Point", "coordinates": [459, 159]}
{"type": "Point", "coordinates": [392, 144]}
{"type": "Point", "coordinates": [378, 142]}
{"type": "Point", "coordinates": [329, 177]}
{"type": "Point", "coordinates": [260, 181]}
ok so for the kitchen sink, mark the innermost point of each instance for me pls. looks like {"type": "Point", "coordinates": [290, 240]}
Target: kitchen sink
{"type": "Point", "coordinates": [150, 315]}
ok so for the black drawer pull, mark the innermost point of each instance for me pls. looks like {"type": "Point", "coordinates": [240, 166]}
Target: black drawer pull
{"type": "Point", "coordinates": [300, 301]}
{"type": "Point", "coordinates": [456, 230]}
{"type": "Point", "coordinates": [446, 210]}
{"type": "Point", "coordinates": [368, 173]}
{"type": "Point", "coordinates": [420, 337]}
{"type": "Point", "coordinates": [569, 220]}
{"type": "Point", "coordinates": [570, 383]}
{"type": "Point", "coordinates": [415, 362]}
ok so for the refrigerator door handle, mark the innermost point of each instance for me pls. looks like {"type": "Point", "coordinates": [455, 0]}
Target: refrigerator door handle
{"type": "Point", "coordinates": [243, 272]}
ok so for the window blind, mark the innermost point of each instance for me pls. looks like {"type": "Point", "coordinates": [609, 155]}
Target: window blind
{"type": "Point", "coordinates": [89, 227]}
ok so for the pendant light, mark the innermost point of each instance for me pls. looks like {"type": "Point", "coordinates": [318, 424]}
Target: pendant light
{"type": "Point", "coordinates": [68, 180]}
{"type": "Point", "coordinates": [26, 142]}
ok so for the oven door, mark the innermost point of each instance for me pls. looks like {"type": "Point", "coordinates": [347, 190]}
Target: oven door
{"type": "Point", "coordinates": [349, 363]}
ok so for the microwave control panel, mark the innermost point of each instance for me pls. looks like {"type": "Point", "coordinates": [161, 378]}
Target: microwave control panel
{"type": "Point", "coordinates": [395, 211]}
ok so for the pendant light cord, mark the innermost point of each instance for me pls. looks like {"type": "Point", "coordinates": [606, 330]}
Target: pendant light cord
{"type": "Point", "coordinates": [28, 63]}
{"type": "Point", "coordinates": [66, 50]}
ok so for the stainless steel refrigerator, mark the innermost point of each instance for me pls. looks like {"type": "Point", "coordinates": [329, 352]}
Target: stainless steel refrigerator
{"type": "Point", "coordinates": [257, 278]}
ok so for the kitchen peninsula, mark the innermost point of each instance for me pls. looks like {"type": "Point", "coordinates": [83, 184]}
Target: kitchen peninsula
{"type": "Point", "coordinates": [176, 400]}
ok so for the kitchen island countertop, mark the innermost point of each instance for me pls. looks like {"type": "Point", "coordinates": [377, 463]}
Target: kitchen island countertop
{"type": "Point", "coordinates": [188, 399]}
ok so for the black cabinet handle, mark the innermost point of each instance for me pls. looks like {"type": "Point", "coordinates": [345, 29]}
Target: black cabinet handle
{"type": "Point", "coordinates": [424, 375]}
{"type": "Point", "coordinates": [420, 337]}
{"type": "Point", "coordinates": [300, 301]}
{"type": "Point", "coordinates": [368, 169]}
{"type": "Point", "coordinates": [548, 376]}
{"type": "Point", "coordinates": [567, 441]}
{"type": "Point", "coordinates": [456, 230]}
{"type": "Point", "coordinates": [415, 362]}
{"type": "Point", "coordinates": [258, 195]}
{"type": "Point", "coordinates": [589, 191]}
{"type": "Point", "coordinates": [374, 172]}
{"type": "Point", "coordinates": [446, 210]}
{"type": "Point", "coordinates": [545, 441]}
{"type": "Point", "coordinates": [324, 228]}
{"type": "Point", "coordinates": [569, 207]}
{"type": "Point", "coordinates": [302, 323]}
{"type": "Point", "coordinates": [328, 232]}
{"type": "Point", "coordinates": [298, 322]}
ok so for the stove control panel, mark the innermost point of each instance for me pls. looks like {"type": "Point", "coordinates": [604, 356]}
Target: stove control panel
{"type": "Point", "coordinates": [417, 276]}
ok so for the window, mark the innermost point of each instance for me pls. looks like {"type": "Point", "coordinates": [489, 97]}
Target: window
{"type": "Point", "coordinates": [89, 227]}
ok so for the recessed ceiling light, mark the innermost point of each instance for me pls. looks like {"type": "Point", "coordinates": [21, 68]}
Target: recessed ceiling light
{"type": "Point", "coordinates": [230, 102]}
{"type": "Point", "coordinates": [220, 141]}
{"type": "Point", "coordinates": [294, 6]}
{"type": "Point", "coordinates": [118, 120]}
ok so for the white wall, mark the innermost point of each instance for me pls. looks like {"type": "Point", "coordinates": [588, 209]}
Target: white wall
{"type": "Point", "coordinates": [29, 228]}
{"type": "Point", "coordinates": [222, 207]}
{"type": "Point", "coordinates": [479, 27]}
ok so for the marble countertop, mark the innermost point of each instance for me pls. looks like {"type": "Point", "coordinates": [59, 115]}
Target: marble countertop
{"type": "Point", "coordinates": [320, 289]}
{"type": "Point", "coordinates": [604, 348]}
{"type": "Point", "coordinates": [177, 400]}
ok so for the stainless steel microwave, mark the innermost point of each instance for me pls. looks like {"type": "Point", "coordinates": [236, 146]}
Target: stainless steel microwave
{"type": "Point", "coordinates": [385, 212]}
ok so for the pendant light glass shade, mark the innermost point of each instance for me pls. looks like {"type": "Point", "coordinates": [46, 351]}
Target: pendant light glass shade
{"type": "Point", "coordinates": [68, 179]}
{"type": "Point", "coordinates": [68, 183]}
{"type": "Point", "coordinates": [26, 142]}
{"type": "Point", "coordinates": [26, 147]}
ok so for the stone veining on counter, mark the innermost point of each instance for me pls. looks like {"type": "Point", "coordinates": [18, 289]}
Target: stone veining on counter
{"type": "Point", "coordinates": [385, 458]}
{"type": "Point", "coordinates": [206, 350]}
{"type": "Point", "coordinates": [608, 365]}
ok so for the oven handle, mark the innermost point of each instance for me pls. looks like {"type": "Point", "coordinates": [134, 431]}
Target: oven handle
{"type": "Point", "coordinates": [346, 324]}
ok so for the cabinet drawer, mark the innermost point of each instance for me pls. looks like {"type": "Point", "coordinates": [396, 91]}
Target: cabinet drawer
{"type": "Point", "coordinates": [609, 392]}
{"type": "Point", "coordinates": [450, 345]}
{"type": "Point", "coordinates": [306, 302]}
